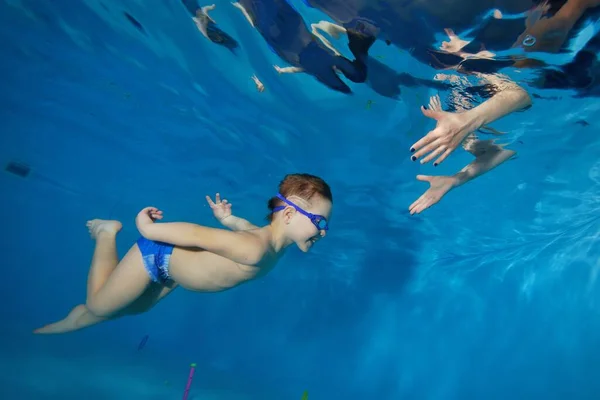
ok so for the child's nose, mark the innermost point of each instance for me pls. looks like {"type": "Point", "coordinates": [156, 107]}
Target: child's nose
{"type": "Point", "coordinates": [323, 233]}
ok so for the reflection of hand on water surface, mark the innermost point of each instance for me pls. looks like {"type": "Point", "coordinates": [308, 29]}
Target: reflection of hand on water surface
{"type": "Point", "coordinates": [438, 187]}
{"type": "Point", "coordinates": [456, 44]}
{"type": "Point", "coordinates": [259, 85]}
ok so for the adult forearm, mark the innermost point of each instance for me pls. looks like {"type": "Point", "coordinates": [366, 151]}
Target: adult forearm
{"type": "Point", "coordinates": [507, 101]}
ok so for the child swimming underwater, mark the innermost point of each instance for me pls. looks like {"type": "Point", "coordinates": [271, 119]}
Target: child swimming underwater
{"type": "Point", "coordinates": [195, 257]}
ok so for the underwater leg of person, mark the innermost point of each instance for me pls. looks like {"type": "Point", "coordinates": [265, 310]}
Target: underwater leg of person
{"type": "Point", "coordinates": [356, 70]}
{"type": "Point", "coordinates": [244, 11]}
{"type": "Point", "coordinates": [114, 288]}
{"type": "Point", "coordinates": [359, 44]}
{"type": "Point", "coordinates": [288, 70]}
{"type": "Point", "coordinates": [331, 79]}
{"type": "Point", "coordinates": [333, 30]}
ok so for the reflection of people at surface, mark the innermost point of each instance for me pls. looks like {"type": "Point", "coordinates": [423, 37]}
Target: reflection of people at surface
{"type": "Point", "coordinates": [259, 85]}
{"type": "Point", "coordinates": [381, 78]}
{"type": "Point", "coordinates": [500, 22]}
{"type": "Point", "coordinates": [580, 73]}
{"type": "Point", "coordinates": [333, 30]}
{"type": "Point", "coordinates": [451, 128]}
{"type": "Point", "coordinates": [286, 33]}
{"type": "Point", "coordinates": [208, 27]}
{"type": "Point", "coordinates": [548, 29]}
{"type": "Point", "coordinates": [488, 155]}
{"type": "Point", "coordinates": [548, 34]}
{"type": "Point", "coordinates": [455, 45]}
{"type": "Point", "coordinates": [414, 25]}
{"type": "Point", "coordinates": [548, 26]}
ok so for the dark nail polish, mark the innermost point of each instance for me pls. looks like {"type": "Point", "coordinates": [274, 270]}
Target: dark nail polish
{"type": "Point", "coordinates": [412, 150]}
{"type": "Point", "coordinates": [413, 158]}
{"type": "Point", "coordinates": [435, 164]}
{"type": "Point", "coordinates": [425, 107]}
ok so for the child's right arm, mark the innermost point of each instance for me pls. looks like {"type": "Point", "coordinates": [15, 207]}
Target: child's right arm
{"type": "Point", "coordinates": [237, 224]}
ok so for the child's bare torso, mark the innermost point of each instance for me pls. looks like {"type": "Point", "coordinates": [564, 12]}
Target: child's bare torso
{"type": "Point", "coordinates": [203, 271]}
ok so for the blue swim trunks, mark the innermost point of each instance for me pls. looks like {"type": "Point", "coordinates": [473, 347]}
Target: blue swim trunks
{"type": "Point", "coordinates": [156, 256]}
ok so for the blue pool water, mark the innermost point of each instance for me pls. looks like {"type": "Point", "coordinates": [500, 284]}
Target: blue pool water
{"type": "Point", "coordinates": [492, 293]}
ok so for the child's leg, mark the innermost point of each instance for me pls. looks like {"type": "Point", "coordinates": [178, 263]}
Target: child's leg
{"type": "Point", "coordinates": [150, 298]}
{"type": "Point", "coordinates": [80, 317]}
{"type": "Point", "coordinates": [111, 287]}
{"type": "Point", "coordinates": [69, 322]}
{"type": "Point", "coordinates": [105, 257]}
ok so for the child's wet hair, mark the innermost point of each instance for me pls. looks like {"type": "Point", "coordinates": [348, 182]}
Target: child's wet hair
{"type": "Point", "coordinates": [305, 186]}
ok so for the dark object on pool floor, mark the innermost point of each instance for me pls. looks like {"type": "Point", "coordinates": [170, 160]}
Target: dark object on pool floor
{"type": "Point", "coordinates": [143, 342]}
{"type": "Point", "coordinates": [537, 96]}
{"type": "Point", "coordinates": [18, 169]}
{"type": "Point", "coordinates": [582, 122]}
{"type": "Point", "coordinates": [135, 22]}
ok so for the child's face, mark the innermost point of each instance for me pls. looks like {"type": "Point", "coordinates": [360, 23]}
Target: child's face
{"type": "Point", "coordinates": [301, 230]}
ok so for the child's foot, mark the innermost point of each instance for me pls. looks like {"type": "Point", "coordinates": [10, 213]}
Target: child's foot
{"type": "Point", "coordinates": [97, 226]}
{"type": "Point", "coordinates": [66, 325]}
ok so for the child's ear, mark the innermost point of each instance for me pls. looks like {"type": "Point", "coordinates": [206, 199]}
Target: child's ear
{"type": "Point", "coordinates": [288, 213]}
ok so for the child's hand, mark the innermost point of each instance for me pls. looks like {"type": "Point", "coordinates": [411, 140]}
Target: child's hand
{"type": "Point", "coordinates": [221, 209]}
{"type": "Point", "coordinates": [147, 217]}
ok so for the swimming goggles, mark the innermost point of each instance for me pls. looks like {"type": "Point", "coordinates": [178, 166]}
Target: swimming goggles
{"type": "Point", "coordinates": [318, 220]}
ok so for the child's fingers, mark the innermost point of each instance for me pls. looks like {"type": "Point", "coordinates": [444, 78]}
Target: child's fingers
{"type": "Point", "coordinates": [156, 214]}
{"type": "Point", "coordinates": [209, 201]}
